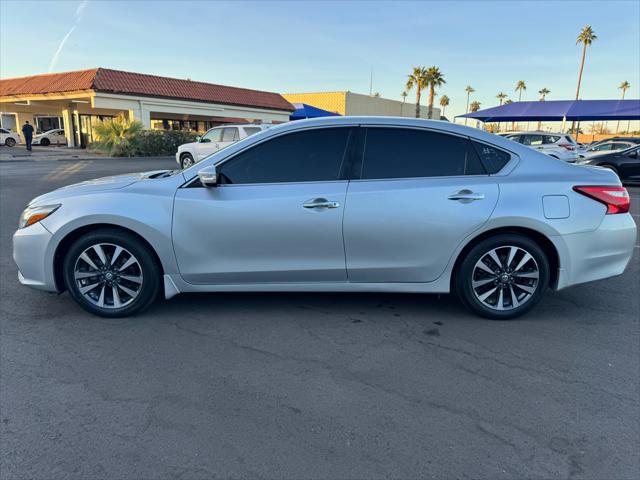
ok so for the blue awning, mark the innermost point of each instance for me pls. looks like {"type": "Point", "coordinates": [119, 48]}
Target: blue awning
{"type": "Point", "coordinates": [308, 111]}
{"type": "Point", "coordinates": [557, 110]}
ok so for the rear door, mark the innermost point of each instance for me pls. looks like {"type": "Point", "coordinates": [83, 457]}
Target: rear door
{"type": "Point", "coordinates": [415, 196]}
{"type": "Point", "coordinates": [230, 135]}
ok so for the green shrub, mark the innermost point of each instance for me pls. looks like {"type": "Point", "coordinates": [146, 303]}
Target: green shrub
{"type": "Point", "coordinates": [119, 137]}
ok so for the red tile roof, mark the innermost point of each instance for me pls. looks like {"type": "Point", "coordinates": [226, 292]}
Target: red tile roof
{"type": "Point", "coordinates": [128, 83]}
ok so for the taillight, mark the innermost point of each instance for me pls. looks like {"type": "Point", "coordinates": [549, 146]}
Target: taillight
{"type": "Point", "coordinates": [568, 146]}
{"type": "Point", "coordinates": [615, 198]}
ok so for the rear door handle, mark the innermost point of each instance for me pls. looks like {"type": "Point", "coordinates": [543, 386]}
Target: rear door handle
{"type": "Point", "coordinates": [320, 203]}
{"type": "Point", "coordinates": [467, 195]}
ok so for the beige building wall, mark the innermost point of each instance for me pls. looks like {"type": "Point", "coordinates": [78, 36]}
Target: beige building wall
{"type": "Point", "coordinates": [349, 103]}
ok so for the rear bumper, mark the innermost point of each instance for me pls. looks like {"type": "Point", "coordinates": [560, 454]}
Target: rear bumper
{"type": "Point", "coordinates": [30, 246]}
{"type": "Point", "coordinates": [602, 253]}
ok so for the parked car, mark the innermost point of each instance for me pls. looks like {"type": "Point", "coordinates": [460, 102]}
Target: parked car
{"type": "Point", "coordinates": [557, 145]}
{"type": "Point", "coordinates": [348, 204]}
{"type": "Point", "coordinates": [606, 148]}
{"type": "Point", "coordinates": [635, 140]}
{"type": "Point", "coordinates": [50, 137]}
{"type": "Point", "coordinates": [215, 139]}
{"type": "Point", "coordinates": [9, 138]}
{"type": "Point", "coordinates": [626, 163]}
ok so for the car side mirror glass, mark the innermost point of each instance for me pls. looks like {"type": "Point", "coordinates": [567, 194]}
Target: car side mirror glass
{"type": "Point", "coordinates": [208, 176]}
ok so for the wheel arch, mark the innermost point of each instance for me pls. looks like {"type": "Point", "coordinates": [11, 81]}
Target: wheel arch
{"type": "Point", "coordinates": [541, 239]}
{"type": "Point", "coordinates": [66, 242]}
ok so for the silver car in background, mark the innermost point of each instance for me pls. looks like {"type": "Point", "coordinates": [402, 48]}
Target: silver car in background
{"type": "Point", "coordinates": [346, 204]}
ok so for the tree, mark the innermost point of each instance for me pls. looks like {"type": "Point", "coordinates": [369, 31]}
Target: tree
{"type": "Point", "coordinates": [624, 86]}
{"type": "Point", "coordinates": [520, 87]}
{"type": "Point", "coordinates": [475, 106]}
{"type": "Point", "coordinates": [586, 38]}
{"type": "Point", "coordinates": [117, 136]}
{"type": "Point", "coordinates": [417, 79]}
{"type": "Point", "coordinates": [507, 102]}
{"type": "Point", "coordinates": [404, 98]}
{"type": "Point", "coordinates": [469, 91]}
{"type": "Point", "coordinates": [543, 95]}
{"type": "Point", "coordinates": [435, 79]}
{"type": "Point", "coordinates": [444, 103]}
{"type": "Point", "coordinates": [501, 96]}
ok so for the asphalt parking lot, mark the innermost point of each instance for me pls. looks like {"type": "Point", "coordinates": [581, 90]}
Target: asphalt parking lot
{"type": "Point", "coordinates": [311, 385]}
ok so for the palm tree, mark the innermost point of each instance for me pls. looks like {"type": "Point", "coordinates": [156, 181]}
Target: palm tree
{"type": "Point", "coordinates": [444, 103]}
{"type": "Point", "coordinates": [404, 99]}
{"type": "Point", "coordinates": [520, 86]}
{"type": "Point", "coordinates": [507, 102]}
{"type": "Point", "coordinates": [501, 96]}
{"type": "Point", "coordinates": [417, 79]}
{"type": "Point", "coordinates": [624, 86]}
{"type": "Point", "coordinates": [435, 78]}
{"type": "Point", "coordinates": [586, 38]}
{"type": "Point", "coordinates": [543, 95]}
{"type": "Point", "coordinates": [469, 91]}
{"type": "Point", "coordinates": [475, 106]}
{"type": "Point", "coordinates": [117, 136]}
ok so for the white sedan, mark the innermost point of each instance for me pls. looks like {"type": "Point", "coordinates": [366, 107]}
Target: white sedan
{"type": "Point", "coordinates": [50, 137]}
{"type": "Point", "coordinates": [8, 138]}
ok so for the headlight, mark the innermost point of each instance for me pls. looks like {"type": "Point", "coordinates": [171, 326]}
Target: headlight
{"type": "Point", "coordinates": [33, 215]}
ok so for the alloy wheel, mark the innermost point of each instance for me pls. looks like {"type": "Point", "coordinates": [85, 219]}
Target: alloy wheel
{"type": "Point", "coordinates": [505, 278]}
{"type": "Point", "coordinates": [108, 275]}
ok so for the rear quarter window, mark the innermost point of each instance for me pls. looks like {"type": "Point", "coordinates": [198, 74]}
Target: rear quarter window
{"type": "Point", "coordinates": [491, 157]}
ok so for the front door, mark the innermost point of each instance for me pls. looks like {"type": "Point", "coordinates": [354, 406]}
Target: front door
{"type": "Point", "coordinates": [209, 143]}
{"type": "Point", "coordinates": [276, 216]}
{"type": "Point", "coordinates": [420, 193]}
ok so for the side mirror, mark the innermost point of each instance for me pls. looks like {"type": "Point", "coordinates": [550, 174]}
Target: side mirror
{"type": "Point", "coordinates": [198, 138]}
{"type": "Point", "coordinates": [208, 177]}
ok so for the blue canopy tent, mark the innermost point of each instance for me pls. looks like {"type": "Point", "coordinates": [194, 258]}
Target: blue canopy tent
{"type": "Point", "coordinates": [560, 111]}
{"type": "Point", "coordinates": [308, 111]}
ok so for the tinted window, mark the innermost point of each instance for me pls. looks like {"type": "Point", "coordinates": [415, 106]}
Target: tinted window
{"type": "Point", "coordinates": [230, 134]}
{"type": "Point", "coordinates": [492, 158]}
{"type": "Point", "coordinates": [310, 156]}
{"type": "Point", "coordinates": [251, 130]}
{"type": "Point", "coordinates": [214, 135]}
{"type": "Point", "coordinates": [532, 140]}
{"type": "Point", "coordinates": [2, 130]}
{"type": "Point", "coordinates": [550, 139]}
{"type": "Point", "coordinates": [406, 153]}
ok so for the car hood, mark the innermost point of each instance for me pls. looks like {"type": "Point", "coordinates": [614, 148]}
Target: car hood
{"type": "Point", "coordinates": [185, 146]}
{"type": "Point", "coordinates": [97, 185]}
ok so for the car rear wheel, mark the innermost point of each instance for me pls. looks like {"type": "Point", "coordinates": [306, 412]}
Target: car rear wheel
{"type": "Point", "coordinates": [45, 142]}
{"type": "Point", "coordinates": [111, 273]}
{"type": "Point", "coordinates": [10, 142]}
{"type": "Point", "coordinates": [186, 160]}
{"type": "Point", "coordinates": [503, 277]}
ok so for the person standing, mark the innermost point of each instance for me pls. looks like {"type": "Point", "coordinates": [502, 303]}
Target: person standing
{"type": "Point", "coordinates": [27, 131]}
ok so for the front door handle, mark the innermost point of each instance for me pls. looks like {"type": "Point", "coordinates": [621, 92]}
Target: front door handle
{"type": "Point", "coordinates": [320, 203]}
{"type": "Point", "coordinates": [466, 196]}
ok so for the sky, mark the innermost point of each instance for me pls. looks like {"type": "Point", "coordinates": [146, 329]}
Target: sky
{"type": "Point", "coordinates": [298, 46]}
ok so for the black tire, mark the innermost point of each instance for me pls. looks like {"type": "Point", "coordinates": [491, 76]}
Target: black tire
{"type": "Point", "coordinates": [45, 142]}
{"type": "Point", "coordinates": [10, 142]}
{"type": "Point", "coordinates": [186, 160]}
{"type": "Point", "coordinates": [466, 271]}
{"type": "Point", "coordinates": [146, 267]}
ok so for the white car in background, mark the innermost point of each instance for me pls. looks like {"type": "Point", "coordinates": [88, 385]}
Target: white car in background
{"type": "Point", "coordinates": [214, 140]}
{"type": "Point", "coordinates": [558, 145]}
{"type": "Point", "coordinates": [8, 138]}
{"type": "Point", "coordinates": [50, 137]}
{"type": "Point", "coordinates": [605, 148]}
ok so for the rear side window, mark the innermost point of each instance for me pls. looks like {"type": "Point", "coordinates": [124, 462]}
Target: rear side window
{"type": "Point", "coordinates": [548, 139]}
{"type": "Point", "coordinates": [408, 153]}
{"type": "Point", "coordinates": [230, 134]}
{"type": "Point", "coordinates": [531, 140]}
{"type": "Point", "coordinates": [251, 130]}
{"type": "Point", "coordinates": [309, 156]}
{"type": "Point", "coordinates": [492, 158]}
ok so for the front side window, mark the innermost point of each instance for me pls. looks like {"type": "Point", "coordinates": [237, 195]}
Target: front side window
{"type": "Point", "coordinates": [309, 156]}
{"type": "Point", "coordinates": [604, 147]}
{"type": "Point", "coordinates": [492, 158]}
{"type": "Point", "coordinates": [410, 153]}
{"type": "Point", "coordinates": [2, 130]}
{"type": "Point", "coordinates": [532, 139]}
{"type": "Point", "coordinates": [214, 135]}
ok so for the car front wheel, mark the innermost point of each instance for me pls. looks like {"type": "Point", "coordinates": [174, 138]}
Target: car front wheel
{"type": "Point", "coordinates": [111, 273]}
{"type": "Point", "coordinates": [503, 277]}
{"type": "Point", "coordinates": [186, 160]}
{"type": "Point", "coordinates": [10, 142]}
{"type": "Point", "coordinates": [45, 142]}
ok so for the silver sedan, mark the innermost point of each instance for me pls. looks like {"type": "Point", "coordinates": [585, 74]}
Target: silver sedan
{"type": "Point", "coordinates": [340, 204]}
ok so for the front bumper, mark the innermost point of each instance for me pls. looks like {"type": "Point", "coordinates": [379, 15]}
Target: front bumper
{"type": "Point", "coordinates": [30, 248]}
{"type": "Point", "coordinates": [602, 253]}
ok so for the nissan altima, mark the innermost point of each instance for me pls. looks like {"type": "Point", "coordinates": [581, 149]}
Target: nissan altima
{"type": "Point", "coordinates": [347, 204]}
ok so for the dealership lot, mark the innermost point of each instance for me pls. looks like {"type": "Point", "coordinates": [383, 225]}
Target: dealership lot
{"type": "Point", "coordinates": [311, 385]}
